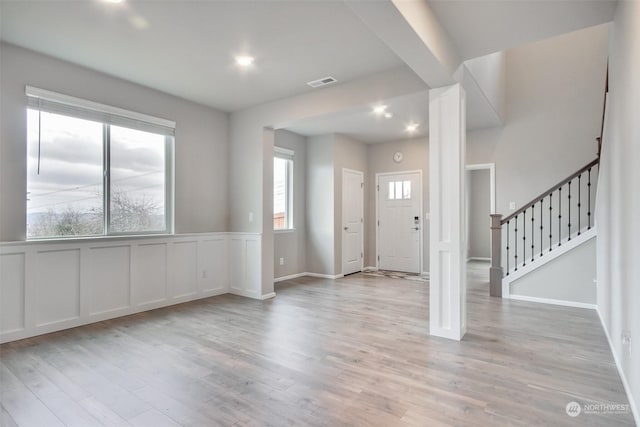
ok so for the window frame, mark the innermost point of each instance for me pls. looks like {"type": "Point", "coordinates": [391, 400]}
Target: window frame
{"type": "Point", "coordinates": [287, 155]}
{"type": "Point", "coordinates": [107, 115]}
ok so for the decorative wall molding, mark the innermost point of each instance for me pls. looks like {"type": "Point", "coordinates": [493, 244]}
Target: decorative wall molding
{"type": "Point", "coordinates": [47, 286]}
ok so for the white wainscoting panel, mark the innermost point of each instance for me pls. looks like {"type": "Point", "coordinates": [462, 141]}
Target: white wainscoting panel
{"type": "Point", "coordinates": [246, 264]}
{"type": "Point", "coordinates": [47, 286]}
{"type": "Point", "coordinates": [213, 263]}
{"type": "Point", "coordinates": [57, 286]}
{"type": "Point", "coordinates": [12, 288]}
{"type": "Point", "coordinates": [149, 284]}
{"type": "Point", "coordinates": [108, 279]}
{"type": "Point", "coordinates": [185, 272]}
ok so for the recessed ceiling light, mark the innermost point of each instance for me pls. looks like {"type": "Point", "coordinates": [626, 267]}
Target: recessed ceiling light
{"type": "Point", "coordinates": [113, 1]}
{"type": "Point", "coordinates": [388, 115]}
{"type": "Point", "coordinates": [412, 127]}
{"type": "Point", "coordinates": [379, 109]}
{"type": "Point", "coordinates": [244, 61]}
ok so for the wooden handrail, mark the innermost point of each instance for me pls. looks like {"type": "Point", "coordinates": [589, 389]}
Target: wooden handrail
{"type": "Point", "coordinates": [551, 190]}
{"type": "Point", "coordinates": [604, 110]}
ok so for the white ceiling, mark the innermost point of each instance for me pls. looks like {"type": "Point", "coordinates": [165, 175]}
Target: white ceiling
{"type": "Point", "coordinates": [480, 27]}
{"type": "Point", "coordinates": [362, 124]}
{"type": "Point", "coordinates": [187, 48]}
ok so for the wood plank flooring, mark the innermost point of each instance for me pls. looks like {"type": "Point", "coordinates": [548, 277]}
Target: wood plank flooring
{"type": "Point", "coordinates": [354, 351]}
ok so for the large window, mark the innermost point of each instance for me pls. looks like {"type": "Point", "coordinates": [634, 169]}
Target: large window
{"type": "Point", "coordinates": [95, 170]}
{"type": "Point", "coordinates": [282, 189]}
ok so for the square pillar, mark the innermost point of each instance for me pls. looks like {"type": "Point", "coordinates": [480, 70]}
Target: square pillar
{"type": "Point", "coordinates": [447, 284]}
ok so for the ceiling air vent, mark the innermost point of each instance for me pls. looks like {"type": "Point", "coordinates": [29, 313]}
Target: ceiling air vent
{"type": "Point", "coordinates": [322, 82]}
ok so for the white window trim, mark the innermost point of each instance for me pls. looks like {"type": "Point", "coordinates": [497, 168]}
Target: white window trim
{"type": "Point", "coordinates": [287, 154]}
{"type": "Point", "coordinates": [168, 125]}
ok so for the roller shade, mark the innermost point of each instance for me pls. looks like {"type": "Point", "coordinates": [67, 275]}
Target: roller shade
{"type": "Point", "coordinates": [52, 102]}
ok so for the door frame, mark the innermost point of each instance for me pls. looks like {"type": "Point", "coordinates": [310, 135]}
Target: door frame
{"type": "Point", "coordinates": [492, 193]}
{"type": "Point", "coordinates": [422, 223]}
{"type": "Point", "coordinates": [492, 180]}
{"type": "Point", "coordinates": [361, 173]}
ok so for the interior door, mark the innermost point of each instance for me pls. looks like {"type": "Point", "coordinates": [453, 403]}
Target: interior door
{"type": "Point", "coordinates": [399, 221]}
{"type": "Point", "coordinates": [352, 221]}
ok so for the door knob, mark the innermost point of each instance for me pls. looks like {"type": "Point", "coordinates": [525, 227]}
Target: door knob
{"type": "Point", "coordinates": [346, 228]}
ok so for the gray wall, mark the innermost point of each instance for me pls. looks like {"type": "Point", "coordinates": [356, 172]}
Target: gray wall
{"type": "Point", "coordinates": [380, 160]}
{"type": "Point", "coordinates": [618, 199]}
{"type": "Point", "coordinates": [479, 208]}
{"type": "Point", "coordinates": [250, 145]}
{"type": "Point", "coordinates": [320, 204]}
{"type": "Point", "coordinates": [291, 245]}
{"type": "Point", "coordinates": [201, 172]}
{"type": "Point", "coordinates": [554, 108]}
{"type": "Point", "coordinates": [559, 279]}
{"type": "Point", "coordinates": [349, 154]}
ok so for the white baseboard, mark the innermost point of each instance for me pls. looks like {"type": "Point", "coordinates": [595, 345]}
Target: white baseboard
{"type": "Point", "coordinates": [289, 277]}
{"type": "Point", "coordinates": [308, 274]}
{"type": "Point", "coordinates": [268, 296]}
{"type": "Point", "coordinates": [625, 383]}
{"type": "Point", "coordinates": [553, 301]}
{"type": "Point", "coordinates": [324, 276]}
{"type": "Point", "coordinates": [425, 274]}
{"type": "Point", "coordinates": [371, 268]}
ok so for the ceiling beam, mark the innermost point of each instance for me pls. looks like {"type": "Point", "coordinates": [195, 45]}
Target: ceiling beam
{"type": "Point", "coordinates": [412, 31]}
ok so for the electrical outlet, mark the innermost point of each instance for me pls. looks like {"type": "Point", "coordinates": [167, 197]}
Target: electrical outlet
{"type": "Point", "coordinates": [204, 274]}
{"type": "Point", "coordinates": [281, 261]}
{"type": "Point", "coordinates": [626, 340]}
{"type": "Point", "coordinates": [512, 206]}
{"type": "Point", "coordinates": [250, 216]}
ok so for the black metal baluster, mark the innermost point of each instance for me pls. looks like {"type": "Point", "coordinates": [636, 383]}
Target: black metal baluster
{"type": "Point", "coordinates": [569, 203]}
{"type": "Point", "coordinates": [532, 239]}
{"type": "Point", "coordinates": [589, 208]}
{"type": "Point", "coordinates": [579, 200]}
{"type": "Point", "coordinates": [541, 227]}
{"type": "Point", "coordinates": [524, 237]}
{"type": "Point", "coordinates": [550, 225]}
{"type": "Point", "coordinates": [507, 248]}
{"type": "Point", "coordinates": [515, 244]}
{"type": "Point", "coordinates": [560, 216]}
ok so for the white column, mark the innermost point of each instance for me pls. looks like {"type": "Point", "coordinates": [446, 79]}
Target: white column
{"type": "Point", "coordinates": [447, 285]}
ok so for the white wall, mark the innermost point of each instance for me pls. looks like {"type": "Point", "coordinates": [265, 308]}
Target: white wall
{"type": "Point", "coordinates": [618, 200]}
{"type": "Point", "coordinates": [380, 160]}
{"type": "Point", "coordinates": [201, 171]}
{"type": "Point", "coordinates": [554, 110]}
{"type": "Point", "coordinates": [291, 245]}
{"type": "Point", "coordinates": [560, 280]}
{"type": "Point", "coordinates": [320, 204]}
{"type": "Point", "coordinates": [489, 72]}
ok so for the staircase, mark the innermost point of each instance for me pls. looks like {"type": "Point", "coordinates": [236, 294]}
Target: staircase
{"type": "Point", "coordinates": [543, 229]}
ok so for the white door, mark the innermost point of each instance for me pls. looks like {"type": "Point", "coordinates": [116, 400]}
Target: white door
{"type": "Point", "coordinates": [352, 221]}
{"type": "Point", "coordinates": [399, 221]}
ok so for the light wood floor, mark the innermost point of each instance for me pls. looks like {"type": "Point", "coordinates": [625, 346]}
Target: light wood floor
{"type": "Point", "coordinates": [355, 351]}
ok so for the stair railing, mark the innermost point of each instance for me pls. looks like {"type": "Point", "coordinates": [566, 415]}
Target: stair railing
{"type": "Point", "coordinates": [554, 217]}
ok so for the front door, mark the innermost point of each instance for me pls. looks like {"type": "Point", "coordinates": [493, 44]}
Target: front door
{"type": "Point", "coordinates": [399, 221]}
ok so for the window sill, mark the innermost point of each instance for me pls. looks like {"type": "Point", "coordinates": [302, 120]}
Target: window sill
{"type": "Point", "coordinates": [284, 231]}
